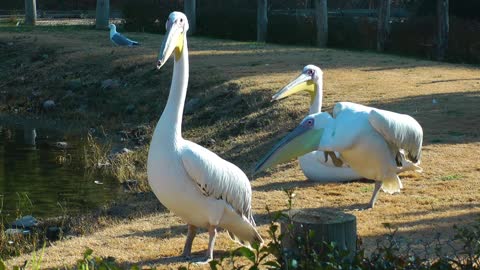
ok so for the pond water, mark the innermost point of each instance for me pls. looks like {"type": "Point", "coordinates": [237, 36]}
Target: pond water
{"type": "Point", "coordinates": [42, 177]}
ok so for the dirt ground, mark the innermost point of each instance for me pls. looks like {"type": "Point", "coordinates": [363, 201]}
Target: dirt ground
{"type": "Point", "coordinates": [232, 83]}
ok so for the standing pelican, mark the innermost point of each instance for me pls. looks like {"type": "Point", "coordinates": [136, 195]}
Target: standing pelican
{"type": "Point", "coordinates": [375, 143]}
{"type": "Point", "coordinates": [191, 181]}
{"type": "Point", "coordinates": [315, 165]}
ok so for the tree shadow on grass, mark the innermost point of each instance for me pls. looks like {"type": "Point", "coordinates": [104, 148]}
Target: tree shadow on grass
{"type": "Point", "coordinates": [168, 232]}
{"type": "Point", "coordinates": [217, 254]}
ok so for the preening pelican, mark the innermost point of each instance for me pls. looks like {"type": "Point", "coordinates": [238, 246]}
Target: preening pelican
{"type": "Point", "coordinates": [191, 181]}
{"type": "Point", "coordinates": [119, 39]}
{"type": "Point", "coordinates": [377, 144]}
{"type": "Point", "coordinates": [316, 165]}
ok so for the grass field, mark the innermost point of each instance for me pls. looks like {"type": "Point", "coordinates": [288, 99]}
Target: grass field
{"type": "Point", "coordinates": [231, 83]}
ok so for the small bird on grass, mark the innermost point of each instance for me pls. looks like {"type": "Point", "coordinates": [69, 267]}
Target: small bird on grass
{"type": "Point", "coordinates": [119, 39]}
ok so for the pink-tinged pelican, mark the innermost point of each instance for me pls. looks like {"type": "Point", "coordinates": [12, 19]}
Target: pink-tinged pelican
{"type": "Point", "coordinates": [191, 181]}
{"type": "Point", "coordinates": [377, 144]}
{"type": "Point", "coordinates": [316, 165]}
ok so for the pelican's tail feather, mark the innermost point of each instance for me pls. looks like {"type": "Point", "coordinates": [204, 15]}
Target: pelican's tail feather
{"type": "Point", "coordinates": [392, 185]}
{"type": "Point", "coordinates": [409, 166]}
{"type": "Point", "coordinates": [241, 229]}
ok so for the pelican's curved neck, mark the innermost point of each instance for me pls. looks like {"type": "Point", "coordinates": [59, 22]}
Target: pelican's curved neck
{"type": "Point", "coordinates": [316, 106]}
{"type": "Point", "coordinates": [171, 119]}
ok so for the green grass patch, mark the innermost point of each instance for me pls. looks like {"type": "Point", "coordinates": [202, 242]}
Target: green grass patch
{"type": "Point", "coordinates": [451, 177]}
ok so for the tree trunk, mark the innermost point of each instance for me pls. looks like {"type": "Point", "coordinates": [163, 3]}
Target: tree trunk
{"type": "Point", "coordinates": [190, 7]}
{"type": "Point", "coordinates": [102, 14]}
{"type": "Point", "coordinates": [321, 18]}
{"type": "Point", "coordinates": [383, 24]}
{"type": "Point", "coordinates": [442, 28]}
{"type": "Point", "coordinates": [309, 228]}
{"type": "Point", "coordinates": [262, 20]}
{"type": "Point", "coordinates": [30, 12]}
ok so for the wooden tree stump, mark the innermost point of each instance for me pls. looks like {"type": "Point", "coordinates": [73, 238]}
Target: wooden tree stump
{"type": "Point", "coordinates": [312, 227]}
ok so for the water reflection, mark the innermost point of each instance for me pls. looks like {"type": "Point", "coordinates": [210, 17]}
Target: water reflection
{"type": "Point", "coordinates": [35, 179]}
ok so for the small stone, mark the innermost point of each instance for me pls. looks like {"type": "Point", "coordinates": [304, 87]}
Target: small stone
{"type": "Point", "coordinates": [98, 182]}
{"type": "Point", "coordinates": [211, 141]}
{"type": "Point", "coordinates": [13, 232]}
{"type": "Point", "coordinates": [103, 164]}
{"type": "Point", "coordinates": [74, 84]}
{"type": "Point", "coordinates": [110, 84]}
{"type": "Point", "coordinates": [48, 105]}
{"type": "Point", "coordinates": [25, 222]}
{"type": "Point", "coordinates": [125, 150]}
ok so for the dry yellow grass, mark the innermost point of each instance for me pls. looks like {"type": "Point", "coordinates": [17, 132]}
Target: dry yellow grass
{"type": "Point", "coordinates": [235, 80]}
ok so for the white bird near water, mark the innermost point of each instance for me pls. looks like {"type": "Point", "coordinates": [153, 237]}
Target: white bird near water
{"type": "Point", "coordinates": [315, 165]}
{"type": "Point", "coordinates": [375, 143]}
{"type": "Point", "coordinates": [119, 39]}
{"type": "Point", "coordinates": [191, 181]}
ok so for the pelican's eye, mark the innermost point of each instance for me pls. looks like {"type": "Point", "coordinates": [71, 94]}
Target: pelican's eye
{"type": "Point", "coordinates": [310, 72]}
{"type": "Point", "coordinates": [181, 19]}
{"type": "Point", "coordinates": [309, 123]}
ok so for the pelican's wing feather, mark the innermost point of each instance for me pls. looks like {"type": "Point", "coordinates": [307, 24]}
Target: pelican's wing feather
{"type": "Point", "coordinates": [344, 106]}
{"type": "Point", "coordinates": [218, 178]}
{"type": "Point", "coordinates": [400, 130]}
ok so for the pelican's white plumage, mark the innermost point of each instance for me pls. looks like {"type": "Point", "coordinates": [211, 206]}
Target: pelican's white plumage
{"type": "Point", "coordinates": [375, 143]}
{"type": "Point", "coordinates": [193, 182]}
{"type": "Point", "coordinates": [315, 165]}
{"type": "Point", "coordinates": [119, 39]}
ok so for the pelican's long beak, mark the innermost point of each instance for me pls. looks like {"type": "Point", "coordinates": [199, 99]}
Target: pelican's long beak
{"type": "Point", "coordinates": [297, 143]}
{"type": "Point", "coordinates": [173, 41]}
{"type": "Point", "coordinates": [301, 83]}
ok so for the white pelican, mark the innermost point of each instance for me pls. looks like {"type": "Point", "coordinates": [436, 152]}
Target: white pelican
{"type": "Point", "coordinates": [375, 143]}
{"type": "Point", "coordinates": [119, 39]}
{"type": "Point", "coordinates": [191, 181]}
{"type": "Point", "coordinates": [315, 165]}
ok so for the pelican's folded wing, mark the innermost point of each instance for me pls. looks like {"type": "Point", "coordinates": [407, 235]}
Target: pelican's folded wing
{"type": "Point", "coordinates": [218, 178]}
{"type": "Point", "coordinates": [400, 130]}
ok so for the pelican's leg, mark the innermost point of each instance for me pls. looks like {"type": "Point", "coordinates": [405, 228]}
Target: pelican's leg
{"type": "Point", "coordinates": [336, 161]}
{"type": "Point", "coordinates": [378, 185]}
{"type": "Point", "coordinates": [212, 233]}
{"type": "Point", "coordinates": [187, 249]}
